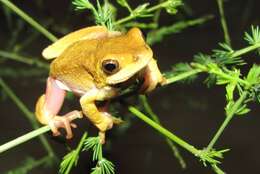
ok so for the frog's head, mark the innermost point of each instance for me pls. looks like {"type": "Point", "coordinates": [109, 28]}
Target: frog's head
{"type": "Point", "coordinates": [121, 57]}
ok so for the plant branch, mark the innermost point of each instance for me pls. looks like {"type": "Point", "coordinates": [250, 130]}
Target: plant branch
{"type": "Point", "coordinates": [149, 10]}
{"type": "Point", "coordinates": [174, 149]}
{"type": "Point", "coordinates": [31, 135]}
{"type": "Point", "coordinates": [245, 50]}
{"type": "Point", "coordinates": [181, 76]}
{"type": "Point", "coordinates": [24, 138]}
{"type": "Point", "coordinates": [28, 115]}
{"type": "Point", "coordinates": [28, 19]}
{"type": "Point", "coordinates": [30, 164]}
{"type": "Point", "coordinates": [228, 118]}
{"type": "Point", "coordinates": [219, 73]}
{"type": "Point", "coordinates": [223, 22]}
{"type": "Point", "coordinates": [76, 154]}
{"type": "Point", "coordinates": [29, 61]}
{"type": "Point", "coordinates": [164, 131]}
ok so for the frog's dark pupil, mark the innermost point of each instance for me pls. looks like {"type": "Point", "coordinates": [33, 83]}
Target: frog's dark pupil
{"type": "Point", "coordinates": [110, 66]}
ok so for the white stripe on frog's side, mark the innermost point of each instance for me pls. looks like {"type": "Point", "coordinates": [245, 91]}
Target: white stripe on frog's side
{"type": "Point", "coordinates": [63, 86]}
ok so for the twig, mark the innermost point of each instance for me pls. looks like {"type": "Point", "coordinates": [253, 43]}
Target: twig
{"type": "Point", "coordinates": [29, 61]}
{"type": "Point", "coordinates": [149, 10]}
{"type": "Point", "coordinates": [174, 149]}
{"type": "Point", "coordinates": [31, 135]}
{"type": "Point", "coordinates": [77, 151]}
{"type": "Point", "coordinates": [164, 131]}
{"type": "Point", "coordinates": [30, 20]}
{"type": "Point", "coordinates": [28, 115]}
{"type": "Point", "coordinates": [24, 138]}
{"type": "Point", "coordinates": [228, 118]}
{"type": "Point", "coordinates": [223, 22]}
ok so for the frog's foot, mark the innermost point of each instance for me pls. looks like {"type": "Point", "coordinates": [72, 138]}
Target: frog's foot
{"type": "Point", "coordinates": [152, 76]}
{"type": "Point", "coordinates": [64, 122]}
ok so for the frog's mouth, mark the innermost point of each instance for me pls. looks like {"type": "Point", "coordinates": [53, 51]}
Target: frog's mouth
{"type": "Point", "coordinates": [128, 72]}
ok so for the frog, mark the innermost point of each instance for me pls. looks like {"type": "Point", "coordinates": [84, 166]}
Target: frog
{"type": "Point", "coordinates": [92, 63]}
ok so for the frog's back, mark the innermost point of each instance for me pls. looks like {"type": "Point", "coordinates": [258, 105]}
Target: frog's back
{"type": "Point", "coordinates": [68, 67]}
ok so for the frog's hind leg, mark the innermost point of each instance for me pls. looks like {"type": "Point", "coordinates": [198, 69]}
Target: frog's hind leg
{"type": "Point", "coordinates": [48, 106]}
{"type": "Point", "coordinates": [152, 76]}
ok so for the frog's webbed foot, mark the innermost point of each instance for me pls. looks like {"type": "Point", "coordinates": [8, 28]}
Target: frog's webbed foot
{"type": "Point", "coordinates": [57, 122]}
{"type": "Point", "coordinates": [48, 106]}
{"type": "Point", "coordinates": [152, 77]}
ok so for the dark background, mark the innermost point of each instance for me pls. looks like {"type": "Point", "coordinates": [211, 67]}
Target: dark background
{"type": "Point", "coordinates": [193, 112]}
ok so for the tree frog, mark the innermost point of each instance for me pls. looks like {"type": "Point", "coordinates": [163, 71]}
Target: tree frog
{"type": "Point", "coordinates": [92, 63]}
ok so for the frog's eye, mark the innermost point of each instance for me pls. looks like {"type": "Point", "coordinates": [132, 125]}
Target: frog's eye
{"type": "Point", "coordinates": [110, 66]}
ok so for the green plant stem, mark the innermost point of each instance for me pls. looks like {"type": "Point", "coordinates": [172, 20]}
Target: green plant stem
{"type": "Point", "coordinates": [182, 76]}
{"type": "Point", "coordinates": [164, 131]}
{"type": "Point", "coordinates": [196, 71]}
{"type": "Point", "coordinates": [157, 14]}
{"type": "Point", "coordinates": [174, 149]}
{"type": "Point", "coordinates": [245, 50]}
{"type": "Point", "coordinates": [149, 10]}
{"type": "Point", "coordinates": [219, 73]}
{"type": "Point", "coordinates": [228, 118]}
{"type": "Point", "coordinates": [30, 20]}
{"type": "Point", "coordinates": [26, 43]}
{"type": "Point", "coordinates": [32, 163]}
{"type": "Point", "coordinates": [24, 138]}
{"type": "Point", "coordinates": [223, 22]}
{"type": "Point", "coordinates": [217, 170]}
{"type": "Point", "coordinates": [79, 147]}
{"type": "Point", "coordinates": [29, 61]}
{"type": "Point", "coordinates": [28, 115]}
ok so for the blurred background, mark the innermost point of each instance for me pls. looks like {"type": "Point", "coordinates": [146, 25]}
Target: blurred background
{"type": "Point", "coordinates": [191, 111]}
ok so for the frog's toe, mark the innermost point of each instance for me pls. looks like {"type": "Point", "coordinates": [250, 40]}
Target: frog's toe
{"type": "Point", "coordinates": [105, 123]}
{"type": "Point", "coordinates": [64, 122]}
{"type": "Point", "coordinates": [102, 137]}
{"type": "Point", "coordinates": [54, 128]}
{"type": "Point", "coordinates": [117, 120]}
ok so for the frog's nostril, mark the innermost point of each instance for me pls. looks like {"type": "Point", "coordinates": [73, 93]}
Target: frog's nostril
{"type": "Point", "coordinates": [136, 58]}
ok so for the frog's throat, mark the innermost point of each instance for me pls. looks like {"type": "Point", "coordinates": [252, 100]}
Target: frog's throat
{"type": "Point", "coordinates": [126, 73]}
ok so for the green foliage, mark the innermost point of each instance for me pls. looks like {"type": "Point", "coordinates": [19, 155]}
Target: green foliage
{"type": "Point", "coordinates": [222, 68]}
{"type": "Point", "coordinates": [171, 6]}
{"type": "Point", "coordinates": [71, 159]}
{"type": "Point", "coordinates": [125, 4]}
{"type": "Point", "coordinates": [103, 166]}
{"type": "Point", "coordinates": [209, 156]}
{"type": "Point", "coordinates": [158, 35]}
{"type": "Point", "coordinates": [102, 14]}
{"type": "Point", "coordinates": [105, 15]}
{"type": "Point", "coordinates": [253, 37]}
{"type": "Point", "coordinates": [30, 163]}
{"type": "Point", "coordinates": [253, 78]}
{"type": "Point", "coordinates": [181, 68]}
{"type": "Point", "coordinates": [94, 144]}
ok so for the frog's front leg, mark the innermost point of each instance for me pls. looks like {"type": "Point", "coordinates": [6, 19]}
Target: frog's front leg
{"type": "Point", "coordinates": [101, 119]}
{"type": "Point", "coordinates": [152, 76]}
{"type": "Point", "coordinates": [48, 106]}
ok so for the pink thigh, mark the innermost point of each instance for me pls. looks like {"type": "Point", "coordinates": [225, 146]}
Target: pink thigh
{"type": "Point", "coordinates": [54, 97]}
